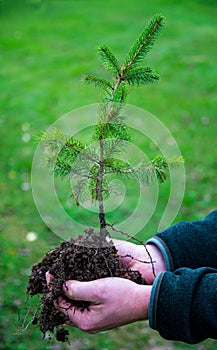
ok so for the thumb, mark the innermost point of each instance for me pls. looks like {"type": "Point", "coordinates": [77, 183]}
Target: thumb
{"type": "Point", "coordinates": [85, 291]}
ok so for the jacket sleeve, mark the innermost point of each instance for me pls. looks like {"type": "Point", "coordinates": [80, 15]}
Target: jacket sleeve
{"type": "Point", "coordinates": [183, 305]}
{"type": "Point", "coordinates": [189, 244]}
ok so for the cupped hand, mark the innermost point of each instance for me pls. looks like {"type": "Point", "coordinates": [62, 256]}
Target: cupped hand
{"type": "Point", "coordinates": [147, 259]}
{"type": "Point", "coordinates": [113, 301]}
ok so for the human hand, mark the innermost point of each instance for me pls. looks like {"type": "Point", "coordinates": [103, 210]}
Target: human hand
{"type": "Point", "coordinates": [147, 259]}
{"type": "Point", "coordinates": [113, 301]}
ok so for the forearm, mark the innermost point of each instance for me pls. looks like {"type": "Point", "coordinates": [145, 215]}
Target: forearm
{"type": "Point", "coordinates": [183, 305]}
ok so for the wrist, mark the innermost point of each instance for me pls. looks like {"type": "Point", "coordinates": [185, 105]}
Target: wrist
{"type": "Point", "coordinates": [156, 262]}
{"type": "Point", "coordinates": [142, 300]}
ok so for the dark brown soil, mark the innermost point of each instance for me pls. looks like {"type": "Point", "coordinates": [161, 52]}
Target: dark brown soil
{"type": "Point", "coordinates": [83, 259]}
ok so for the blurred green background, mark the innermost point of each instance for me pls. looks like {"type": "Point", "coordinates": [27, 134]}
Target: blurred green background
{"type": "Point", "coordinates": [46, 46]}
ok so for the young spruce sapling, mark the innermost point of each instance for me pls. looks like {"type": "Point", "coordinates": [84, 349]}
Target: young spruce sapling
{"type": "Point", "coordinates": [111, 133]}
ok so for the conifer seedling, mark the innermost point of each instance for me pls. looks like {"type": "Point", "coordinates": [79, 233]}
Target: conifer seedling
{"type": "Point", "coordinates": [91, 172]}
{"type": "Point", "coordinates": [111, 133]}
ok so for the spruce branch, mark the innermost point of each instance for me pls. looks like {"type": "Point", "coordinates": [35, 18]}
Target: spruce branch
{"type": "Point", "coordinates": [141, 76]}
{"type": "Point", "coordinates": [62, 150]}
{"type": "Point", "coordinates": [116, 166]}
{"type": "Point", "coordinates": [109, 60]}
{"type": "Point", "coordinates": [152, 172]}
{"type": "Point", "coordinates": [56, 140]}
{"type": "Point", "coordinates": [99, 82]}
{"type": "Point", "coordinates": [119, 95]}
{"type": "Point", "coordinates": [64, 169]}
{"type": "Point", "coordinates": [145, 42]}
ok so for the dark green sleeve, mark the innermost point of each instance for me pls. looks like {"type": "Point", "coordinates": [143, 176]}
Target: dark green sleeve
{"type": "Point", "coordinates": [183, 305]}
{"type": "Point", "coordinates": [189, 244]}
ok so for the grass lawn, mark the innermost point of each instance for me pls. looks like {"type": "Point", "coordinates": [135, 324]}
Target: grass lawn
{"type": "Point", "coordinates": [46, 46]}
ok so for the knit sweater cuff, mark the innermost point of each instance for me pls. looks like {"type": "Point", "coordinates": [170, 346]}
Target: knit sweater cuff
{"type": "Point", "coordinates": [158, 242]}
{"type": "Point", "coordinates": [152, 313]}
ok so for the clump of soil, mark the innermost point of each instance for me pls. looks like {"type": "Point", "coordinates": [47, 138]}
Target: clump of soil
{"type": "Point", "coordinates": [83, 259]}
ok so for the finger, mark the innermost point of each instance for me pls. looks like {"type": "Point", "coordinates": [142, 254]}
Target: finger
{"type": "Point", "coordinates": [86, 291]}
{"type": "Point", "coordinates": [49, 278]}
{"type": "Point", "coordinates": [119, 244]}
{"type": "Point", "coordinates": [124, 247]}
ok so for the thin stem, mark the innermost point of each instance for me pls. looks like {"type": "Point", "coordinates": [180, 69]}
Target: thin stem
{"type": "Point", "coordinates": [118, 81]}
{"type": "Point", "coordinates": [100, 190]}
{"type": "Point", "coordinates": [99, 185]}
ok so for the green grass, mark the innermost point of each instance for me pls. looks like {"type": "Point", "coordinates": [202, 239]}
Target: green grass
{"type": "Point", "coordinates": [45, 48]}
